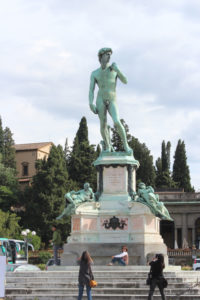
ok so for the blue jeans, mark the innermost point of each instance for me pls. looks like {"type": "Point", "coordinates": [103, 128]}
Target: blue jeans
{"type": "Point", "coordinates": [119, 260]}
{"type": "Point", "coordinates": [55, 254]}
{"type": "Point", "coordinates": [80, 292]}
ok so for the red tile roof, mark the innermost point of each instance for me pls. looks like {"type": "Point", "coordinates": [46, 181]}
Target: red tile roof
{"type": "Point", "coordinates": [32, 146]}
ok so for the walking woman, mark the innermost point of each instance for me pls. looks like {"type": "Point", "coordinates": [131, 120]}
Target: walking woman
{"type": "Point", "coordinates": [157, 266]}
{"type": "Point", "coordinates": [85, 275]}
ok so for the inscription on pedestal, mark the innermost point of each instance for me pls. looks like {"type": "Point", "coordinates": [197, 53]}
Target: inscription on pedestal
{"type": "Point", "coordinates": [115, 180]}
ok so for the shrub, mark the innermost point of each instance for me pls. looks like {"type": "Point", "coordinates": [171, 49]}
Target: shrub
{"type": "Point", "coordinates": [186, 268]}
{"type": "Point", "coordinates": [44, 256]}
{"type": "Point", "coordinates": [36, 241]}
{"type": "Point", "coordinates": [42, 267]}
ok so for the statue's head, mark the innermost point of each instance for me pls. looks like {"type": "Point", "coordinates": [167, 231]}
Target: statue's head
{"type": "Point", "coordinates": [142, 185]}
{"type": "Point", "coordinates": [86, 186]}
{"type": "Point", "coordinates": [106, 51]}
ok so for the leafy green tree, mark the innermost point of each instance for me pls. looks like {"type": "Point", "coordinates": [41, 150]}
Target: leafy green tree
{"type": "Point", "coordinates": [116, 140]}
{"type": "Point", "coordinates": [146, 171]}
{"type": "Point", "coordinates": [44, 201]}
{"type": "Point", "coordinates": [1, 137]}
{"type": "Point", "coordinates": [81, 158]}
{"type": "Point", "coordinates": [9, 225]}
{"type": "Point", "coordinates": [9, 150]}
{"type": "Point", "coordinates": [9, 188]}
{"type": "Point", "coordinates": [35, 240]}
{"type": "Point", "coordinates": [181, 173]}
{"type": "Point", "coordinates": [98, 150]}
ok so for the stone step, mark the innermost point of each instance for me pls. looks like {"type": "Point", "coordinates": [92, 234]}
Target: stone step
{"type": "Point", "coordinates": [105, 278]}
{"type": "Point", "coordinates": [99, 291]}
{"type": "Point", "coordinates": [113, 268]}
{"type": "Point", "coordinates": [22, 277]}
{"type": "Point", "coordinates": [113, 283]}
{"type": "Point", "coordinates": [107, 273]}
{"type": "Point", "coordinates": [62, 285]}
{"type": "Point", "coordinates": [100, 297]}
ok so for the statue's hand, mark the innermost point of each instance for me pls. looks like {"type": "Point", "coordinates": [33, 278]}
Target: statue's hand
{"type": "Point", "coordinates": [93, 108]}
{"type": "Point", "coordinates": [114, 67]}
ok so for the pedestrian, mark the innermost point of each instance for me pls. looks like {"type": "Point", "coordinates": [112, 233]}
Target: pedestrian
{"type": "Point", "coordinates": [156, 271]}
{"type": "Point", "coordinates": [56, 240]}
{"type": "Point", "coordinates": [121, 258]}
{"type": "Point", "coordinates": [85, 275]}
{"type": "Point", "coordinates": [13, 251]}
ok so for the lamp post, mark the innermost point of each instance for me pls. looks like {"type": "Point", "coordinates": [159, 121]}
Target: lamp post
{"type": "Point", "coordinates": [27, 239]}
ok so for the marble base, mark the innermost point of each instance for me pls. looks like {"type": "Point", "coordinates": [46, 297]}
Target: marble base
{"type": "Point", "coordinates": [137, 228]}
{"type": "Point", "coordinates": [103, 227]}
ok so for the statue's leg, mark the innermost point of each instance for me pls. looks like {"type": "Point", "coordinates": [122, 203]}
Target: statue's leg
{"type": "Point", "coordinates": [103, 125]}
{"type": "Point", "coordinates": [113, 111]}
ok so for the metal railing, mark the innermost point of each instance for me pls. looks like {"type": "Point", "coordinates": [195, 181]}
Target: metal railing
{"type": "Point", "coordinates": [183, 252]}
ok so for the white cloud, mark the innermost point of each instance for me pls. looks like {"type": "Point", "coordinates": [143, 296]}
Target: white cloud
{"type": "Point", "coordinates": [49, 48]}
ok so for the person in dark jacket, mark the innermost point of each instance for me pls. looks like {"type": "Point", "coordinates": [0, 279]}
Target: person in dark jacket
{"type": "Point", "coordinates": [56, 243]}
{"type": "Point", "coordinates": [13, 251]}
{"type": "Point", "coordinates": [85, 275]}
{"type": "Point", "coordinates": [157, 266]}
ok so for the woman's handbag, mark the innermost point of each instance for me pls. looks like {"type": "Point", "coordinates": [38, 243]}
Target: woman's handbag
{"type": "Point", "coordinates": [148, 281]}
{"type": "Point", "coordinates": [93, 283]}
{"type": "Point", "coordinates": [164, 282]}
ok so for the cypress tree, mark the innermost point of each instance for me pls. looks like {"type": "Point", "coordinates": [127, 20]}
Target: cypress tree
{"type": "Point", "coordinates": [9, 150]}
{"type": "Point", "coordinates": [168, 152]}
{"type": "Point", "coordinates": [1, 138]}
{"type": "Point", "coordinates": [98, 150]}
{"type": "Point", "coordinates": [163, 176]}
{"type": "Point", "coordinates": [164, 157]}
{"type": "Point", "coordinates": [66, 152]}
{"type": "Point", "coordinates": [81, 158]}
{"type": "Point", "coordinates": [82, 133]}
{"type": "Point", "coordinates": [181, 173]}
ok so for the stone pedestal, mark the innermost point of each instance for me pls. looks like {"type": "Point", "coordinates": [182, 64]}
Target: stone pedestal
{"type": "Point", "coordinates": [103, 227]}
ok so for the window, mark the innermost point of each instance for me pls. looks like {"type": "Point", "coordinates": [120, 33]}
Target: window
{"type": "Point", "coordinates": [179, 237]}
{"type": "Point", "coordinates": [197, 233]}
{"type": "Point", "coordinates": [24, 169]}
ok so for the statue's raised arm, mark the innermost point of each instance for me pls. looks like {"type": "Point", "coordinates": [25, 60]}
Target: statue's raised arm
{"type": "Point", "coordinates": [119, 73]}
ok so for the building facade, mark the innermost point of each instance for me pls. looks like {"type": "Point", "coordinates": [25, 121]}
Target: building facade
{"type": "Point", "coordinates": [26, 156]}
{"type": "Point", "coordinates": [184, 209]}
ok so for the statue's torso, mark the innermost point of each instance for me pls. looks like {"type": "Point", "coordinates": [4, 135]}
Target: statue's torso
{"type": "Point", "coordinates": [106, 80]}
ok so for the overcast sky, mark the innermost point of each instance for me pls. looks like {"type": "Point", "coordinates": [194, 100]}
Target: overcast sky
{"type": "Point", "coordinates": [48, 49]}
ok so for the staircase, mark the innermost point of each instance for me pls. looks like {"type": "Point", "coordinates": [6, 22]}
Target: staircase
{"type": "Point", "coordinates": [123, 283]}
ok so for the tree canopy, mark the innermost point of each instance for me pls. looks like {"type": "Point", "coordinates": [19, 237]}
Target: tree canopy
{"type": "Point", "coordinates": [45, 198]}
{"type": "Point", "coordinates": [9, 225]}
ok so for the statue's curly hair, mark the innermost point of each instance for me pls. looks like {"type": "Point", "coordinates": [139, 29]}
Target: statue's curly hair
{"type": "Point", "coordinates": [103, 51]}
